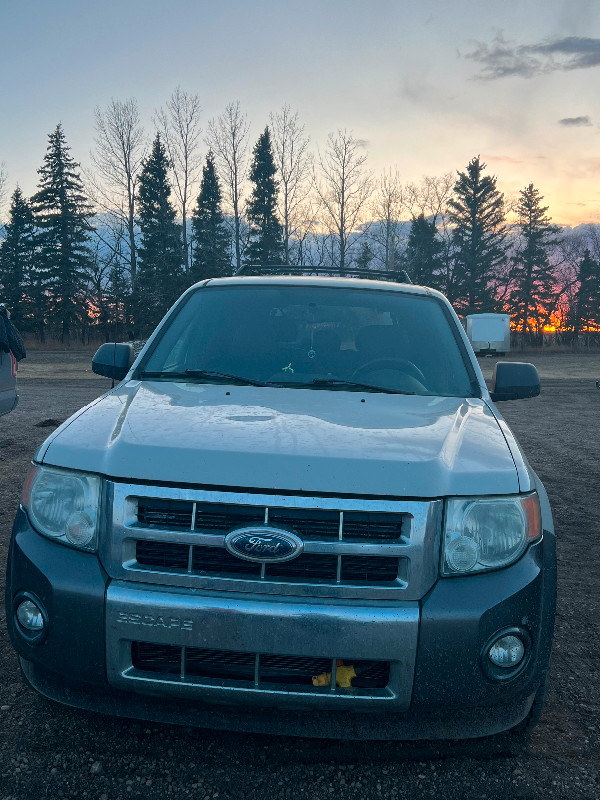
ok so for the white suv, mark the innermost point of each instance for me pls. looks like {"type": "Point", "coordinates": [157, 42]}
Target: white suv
{"type": "Point", "coordinates": [300, 503]}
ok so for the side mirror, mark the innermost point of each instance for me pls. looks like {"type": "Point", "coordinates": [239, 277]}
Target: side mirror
{"type": "Point", "coordinates": [113, 360]}
{"type": "Point", "coordinates": [515, 381]}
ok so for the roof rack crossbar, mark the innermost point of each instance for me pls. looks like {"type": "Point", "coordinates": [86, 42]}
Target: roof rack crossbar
{"type": "Point", "coordinates": [401, 276]}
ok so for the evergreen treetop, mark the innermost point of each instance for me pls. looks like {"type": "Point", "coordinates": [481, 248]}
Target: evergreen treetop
{"type": "Point", "coordinates": [422, 258]}
{"type": "Point", "coordinates": [62, 217]}
{"type": "Point", "coordinates": [211, 254]}
{"type": "Point", "coordinates": [365, 254]}
{"type": "Point", "coordinates": [160, 271]}
{"type": "Point", "coordinates": [586, 305]}
{"type": "Point", "coordinates": [477, 213]}
{"type": "Point", "coordinates": [531, 275]}
{"type": "Point", "coordinates": [16, 256]}
{"type": "Point", "coordinates": [265, 246]}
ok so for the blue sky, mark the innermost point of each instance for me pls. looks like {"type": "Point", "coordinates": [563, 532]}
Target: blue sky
{"type": "Point", "coordinates": [427, 84]}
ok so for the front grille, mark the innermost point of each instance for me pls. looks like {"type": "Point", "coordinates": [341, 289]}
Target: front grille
{"type": "Point", "coordinates": [309, 524]}
{"type": "Point", "coordinates": [258, 669]}
{"type": "Point", "coordinates": [354, 548]}
{"type": "Point", "coordinates": [224, 517]}
{"type": "Point", "coordinates": [369, 569]}
{"type": "Point", "coordinates": [217, 560]}
{"type": "Point", "coordinates": [159, 513]}
{"type": "Point", "coordinates": [306, 568]}
{"type": "Point", "coordinates": [163, 554]}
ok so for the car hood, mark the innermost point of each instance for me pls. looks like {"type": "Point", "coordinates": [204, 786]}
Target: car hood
{"type": "Point", "coordinates": [289, 440]}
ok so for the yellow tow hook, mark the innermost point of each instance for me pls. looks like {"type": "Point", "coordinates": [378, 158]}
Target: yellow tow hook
{"type": "Point", "coordinates": [343, 676]}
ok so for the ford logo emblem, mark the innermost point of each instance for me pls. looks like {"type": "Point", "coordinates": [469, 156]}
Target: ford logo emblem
{"type": "Point", "coordinates": [263, 544]}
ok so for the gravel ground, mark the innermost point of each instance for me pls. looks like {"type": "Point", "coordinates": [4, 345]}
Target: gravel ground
{"type": "Point", "coordinates": [51, 751]}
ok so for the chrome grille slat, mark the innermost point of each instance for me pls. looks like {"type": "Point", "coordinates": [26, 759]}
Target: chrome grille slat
{"type": "Point", "coordinates": [369, 537]}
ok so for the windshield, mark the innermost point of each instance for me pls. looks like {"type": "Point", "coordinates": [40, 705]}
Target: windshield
{"type": "Point", "coordinates": [312, 337]}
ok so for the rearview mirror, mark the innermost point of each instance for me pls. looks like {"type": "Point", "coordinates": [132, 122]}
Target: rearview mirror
{"type": "Point", "coordinates": [113, 360]}
{"type": "Point", "coordinates": [515, 381]}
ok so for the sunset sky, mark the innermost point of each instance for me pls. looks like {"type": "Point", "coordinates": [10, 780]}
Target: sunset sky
{"type": "Point", "coordinates": [426, 84]}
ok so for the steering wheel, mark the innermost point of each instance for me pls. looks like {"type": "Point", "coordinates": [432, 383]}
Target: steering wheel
{"type": "Point", "coordinates": [401, 364]}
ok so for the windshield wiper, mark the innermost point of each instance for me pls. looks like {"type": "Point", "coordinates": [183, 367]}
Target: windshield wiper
{"type": "Point", "coordinates": [205, 374]}
{"type": "Point", "coordinates": [209, 375]}
{"type": "Point", "coordinates": [338, 382]}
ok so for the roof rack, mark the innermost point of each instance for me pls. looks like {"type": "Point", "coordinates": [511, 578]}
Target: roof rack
{"type": "Point", "coordinates": [400, 276]}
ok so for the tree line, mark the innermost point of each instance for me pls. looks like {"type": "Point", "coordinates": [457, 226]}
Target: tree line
{"type": "Point", "coordinates": [106, 251]}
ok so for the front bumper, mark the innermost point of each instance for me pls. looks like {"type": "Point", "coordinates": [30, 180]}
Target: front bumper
{"type": "Point", "coordinates": [437, 687]}
{"type": "Point", "coordinates": [410, 725]}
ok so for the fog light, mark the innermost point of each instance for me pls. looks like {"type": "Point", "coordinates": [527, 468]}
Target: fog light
{"type": "Point", "coordinates": [508, 651]}
{"type": "Point", "coordinates": [30, 616]}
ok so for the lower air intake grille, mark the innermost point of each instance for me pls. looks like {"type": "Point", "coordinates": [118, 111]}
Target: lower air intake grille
{"type": "Point", "coordinates": [226, 665]}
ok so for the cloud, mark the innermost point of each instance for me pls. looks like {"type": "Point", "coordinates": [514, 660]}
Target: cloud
{"type": "Point", "coordinates": [575, 122]}
{"type": "Point", "coordinates": [504, 59]}
{"type": "Point", "coordinates": [576, 52]}
{"type": "Point", "coordinates": [501, 59]}
{"type": "Point", "coordinates": [504, 159]}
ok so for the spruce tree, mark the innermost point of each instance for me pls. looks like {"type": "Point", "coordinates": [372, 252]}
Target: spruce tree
{"type": "Point", "coordinates": [211, 257]}
{"type": "Point", "coordinates": [265, 246]}
{"type": "Point", "coordinates": [422, 259]}
{"type": "Point", "coordinates": [586, 304]}
{"type": "Point", "coordinates": [477, 212]}
{"type": "Point", "coordinates": [531, 275]}
{"type": "Point", "coordinates": [62, 215]}
{"type": "Point", "coordinates": [160, 270]}
{"type": "Point", "coordinates": [16, 258]}
{"type": "Point", "coordinates": [365, 254]}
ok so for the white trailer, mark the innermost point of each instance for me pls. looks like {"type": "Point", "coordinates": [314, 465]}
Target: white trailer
{"type": "Point", "coordinates": [488, 333]}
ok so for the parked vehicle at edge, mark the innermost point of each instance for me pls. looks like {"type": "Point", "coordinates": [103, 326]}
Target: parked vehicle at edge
{"type": "Point", "coordinates": [11, 345]}
{"type": "Point", "coordinates": [8, 382]}
{"type": "Point", "coordinates": [299, 503]}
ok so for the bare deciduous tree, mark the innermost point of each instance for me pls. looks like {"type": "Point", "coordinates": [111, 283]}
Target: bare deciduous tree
{"type": "Point", "coordinates": [430, 197]}
{"type": "Point", "coordinates": [120, 150]}
{"type": "Point", "coordinates": [290, 146]}
{"type": "Point", "coordinates": [343, 187]}
{"type": "Point", "coordinates": [438, 192]}
{"type": "Point", "coordinates": [228, 139]}
{"type": "Point", "coordinates": [592, 235]}
{"type": "Point", "coordinates": [387, 209]}
{"type": "Point", "coordinates": [304, 246]}
{"type": "Point", "coordinates": [179, 126]}
{"type": "Point", "coordinates": [572, 249]}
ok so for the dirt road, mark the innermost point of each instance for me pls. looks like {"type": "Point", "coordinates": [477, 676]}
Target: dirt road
{"type": "Point", "coordinates": [49, 751]}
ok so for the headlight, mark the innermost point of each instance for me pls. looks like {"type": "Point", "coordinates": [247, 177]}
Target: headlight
{"type": "Point", "coordinates": [483, 533]}
{"type": "Point", "coordinates": [63, 505]}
